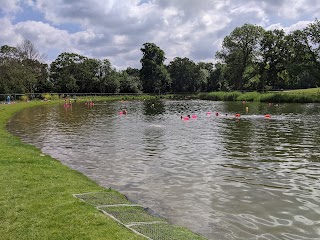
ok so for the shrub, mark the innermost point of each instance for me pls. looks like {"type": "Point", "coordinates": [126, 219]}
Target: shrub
{"type": "Point", "coordinates": [55, 97]}
{"type": "Point", "coordinates": [48, 96]}
{"type": "Point", "coordinates": [24, 98]}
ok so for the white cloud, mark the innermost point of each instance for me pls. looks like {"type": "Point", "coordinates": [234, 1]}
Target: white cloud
{"type": "Point", "coordinates": [9, 6]}
{"type": "Point", "coordinates": [296, 26]}
{"type": "Point", "coordinates": [294, 9]}
{"type": "Point", "coordinates": [8, 35]}
{"type": "Point", "coordinates": [275, 26]}
{"type": "Point", "coordinates": [117, 29]}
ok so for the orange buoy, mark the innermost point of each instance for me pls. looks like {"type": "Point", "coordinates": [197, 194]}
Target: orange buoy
{"type": "Point", "coordinates": [267, 116]}
{"type": "Point", "coordinates": [237, 115]}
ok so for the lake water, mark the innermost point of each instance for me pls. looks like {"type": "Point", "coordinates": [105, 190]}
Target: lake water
{"type": "Point", "coordinates": [221, 176]}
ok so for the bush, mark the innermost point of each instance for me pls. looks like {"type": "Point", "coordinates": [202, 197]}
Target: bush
{"type": "Point", "coordinates": [48, 96]}
{"type": "Point", "coordinates": [55, 97]}
{"type": "Point", "coordinates": [24, 98]}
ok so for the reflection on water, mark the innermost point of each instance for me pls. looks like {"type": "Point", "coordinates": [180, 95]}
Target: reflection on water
{"type": "Point", "coordinates": [221, 176]}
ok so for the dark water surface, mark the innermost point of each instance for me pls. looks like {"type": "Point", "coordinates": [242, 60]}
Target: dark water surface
{"type": "Point", "coordinates": [220, 176]}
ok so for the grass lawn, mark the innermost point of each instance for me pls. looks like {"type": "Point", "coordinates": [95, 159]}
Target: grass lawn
{"type": "Point", "coordinates": [307, 91]}
{"type": "Point", "coordinates": [311, 95]}
{"type": "Point", "coordinates": [36, 199]}
{"type": "Point", "coordinates": [37, 202]}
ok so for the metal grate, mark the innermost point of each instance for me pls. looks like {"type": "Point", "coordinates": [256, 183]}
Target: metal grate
{"type": "Point", "coordinates": [163, 231]}
{"type": "Point", "coordinates": [137, 218]}
{"type": "Point", "coordinates": [129, 215]}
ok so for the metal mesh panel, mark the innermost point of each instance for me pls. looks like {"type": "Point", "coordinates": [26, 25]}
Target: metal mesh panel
{"type": "Point", "coordinates": [135, 217]}
{"type": "Point", "coordinates": [163, 231]}
{"type": "Point", "coordinates": [131, 214]}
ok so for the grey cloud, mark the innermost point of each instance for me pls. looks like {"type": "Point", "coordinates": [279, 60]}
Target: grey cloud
{"type": "Point", "coordinates": [186, 28]}
{"type": "Point", "coordinates": [8, 6]}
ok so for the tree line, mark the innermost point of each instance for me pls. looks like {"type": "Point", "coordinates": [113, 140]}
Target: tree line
{"type": "Point", "coordinates": [250, 59]}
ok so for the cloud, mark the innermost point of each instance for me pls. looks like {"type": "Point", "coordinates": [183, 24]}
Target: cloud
{"type": "Point", "coordinates": [42, 33]}
{"type": "Point", "coordinates": [9, 6]}
{"type": "Point", "coordinates": [117, 29]}
{"type": "Point", "coordinates": [295, 9]}
{"type": "Point", "coordinates": [296, 26]}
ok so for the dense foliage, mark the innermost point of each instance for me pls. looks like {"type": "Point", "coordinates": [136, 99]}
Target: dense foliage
{"type": "Point", "coordinates": [251, 59]}
{"type": "Point", "coordinates": [22, 69]}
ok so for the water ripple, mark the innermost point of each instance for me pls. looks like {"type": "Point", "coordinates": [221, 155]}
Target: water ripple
{"type": "Point", "coordinates": [224, 177]}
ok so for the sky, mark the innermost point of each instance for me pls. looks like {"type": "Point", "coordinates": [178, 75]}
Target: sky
{"type": "Point", "coordinates": [117, 29]}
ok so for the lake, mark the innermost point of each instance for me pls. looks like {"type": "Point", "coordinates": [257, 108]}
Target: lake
{"type": "Point", "coordinates": [225, 177]}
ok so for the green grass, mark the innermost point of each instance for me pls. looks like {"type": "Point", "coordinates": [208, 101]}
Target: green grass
{"type": "Point", "coordinates": [36, 194]}
{"type": "Point", "coordinates": [250, 96]}
{"type": "Point", "coordinates": [309, 90]}
{"type": "Point", "coordinates": [293, 96]}
{"type": "Point", "coordinates": [220, 96]}
{"type": "Point", "coordinates": [122, 97]}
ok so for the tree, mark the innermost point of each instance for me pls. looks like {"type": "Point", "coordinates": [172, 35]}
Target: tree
{"type": "Point", "coordinates": [34, 60]}
{"type": "Point", "coordinates": [22, 69]}
{"type": "Point", "coordinates": [240, 50]}
{"type": "Point", "coordinates": [274, 54]}
{"type": "Point", "coordinates": [302, 63]}
{"type": "Point", "coordinates": [112, 82]}
{"type": "Point", "coordinates": [130, 81]}
{"type": "Point", "coordinates": [205, 70]}
{"type": "Point", "coordinates": [27, 50]}
{"type": "Point", "coordinates": [105, 75]}
{"type": "Point", "coordinates": [8, 54]}
{"type": "Point", "coordinates": [154, 75]}
{"type": "Point", "coordinates": [133, 72]}
{"type": "Point", "coordinates": [216, 81]}
{"type": "Point", "coordinates": [313, 39]}
{"type": "Point", "coordinates": [185, 75]}
{"type": "Point", "coordinates": [9, 62]}
{"type": "Point", "coordinates": [66, 72]}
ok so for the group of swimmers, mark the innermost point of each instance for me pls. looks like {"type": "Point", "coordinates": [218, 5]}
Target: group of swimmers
{"type": "Point", "coordinates": [89, 103]}
{"type": "Point", "coordinates": [237, 115]}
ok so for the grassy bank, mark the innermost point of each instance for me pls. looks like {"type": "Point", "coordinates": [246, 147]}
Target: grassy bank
{"type": "Point", "coordinates": [36, 199]}
{"type": "Point", "coordinates": [94, 97]}
{"type": "Point", "coordinates": [294, 96]}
